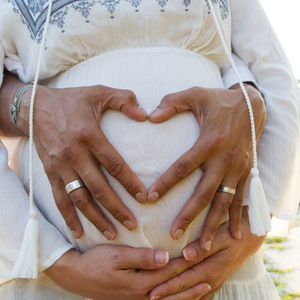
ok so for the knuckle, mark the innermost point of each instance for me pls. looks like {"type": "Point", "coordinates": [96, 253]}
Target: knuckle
{"type": "Point", "coordinates": [132, 187]}
{"type": "Point", "coordinates": [174, 274]}
{"type": "Point", "coordinates": [238, 203]}
{"type": "Point", "coordinates": [99, 191]}
{"type": "Point", "coordinates": [246, 156]}
{"type": "Point", "coordinates": [168, 99]}
{"type": "Point", "coordinates": [229, 159]}
{"type": "Point", "coordinates": [117, 256]}
{"type": "Point", "coordinates": [115, 167]}
{"type": "Point", "coordinates": [99, 224]}
{"type": "Point", "coordinates": [118, 213]}
{"type": "Point", "coordinates": [217, 139]}
{"type": "Point", "coordinates": [145, 259]}
{"type": "Point", "coordinates": [69, 153]}
{"type": "Point", "coordinates": [181, 286]}
{"type": "Point", "coordinates": [129, 96]}
{"type": "Point", "coordinates": [211, 276]}
{"type": "Point", "coordinates": [85, 134]}
{"type": "Point", "coordinates": [195, 90]}
{"type": "Point", "coordinates": [205, 197]}
{"type": "Point", "coordinates": [62, 206]}
{"type": "Point", "coordinates": [69, 221]}
{"type": "Point", "coordinates": [164, 186]}
{"type": "Point", "coordinates": [80, 202]}
{"type": "Point", "coordinates": [211, 230]}
{"type": "Point", "coordinates": [181, 170]}
{"type": "Point", "coordinates": [186, 221]}
{"type": "Point", "coordinates": [223, 207]}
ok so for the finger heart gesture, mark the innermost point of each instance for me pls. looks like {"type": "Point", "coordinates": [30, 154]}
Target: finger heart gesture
{"type": "Point", "coordinates": [71, 145]}
{"type": "Point", "coordinates": [223, 151]}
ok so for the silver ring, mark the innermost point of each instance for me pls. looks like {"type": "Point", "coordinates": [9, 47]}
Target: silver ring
{"type": "Point", "coordinates": [74, 185]}
{"type": "Point", "coordinates": [226, 189]}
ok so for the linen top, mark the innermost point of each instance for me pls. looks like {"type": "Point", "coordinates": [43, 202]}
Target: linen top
{"type": "Point", "coordinates": [81, 33]}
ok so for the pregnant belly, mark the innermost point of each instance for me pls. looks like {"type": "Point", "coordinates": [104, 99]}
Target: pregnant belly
{"type": "Point", "coordinates": [148, 148]}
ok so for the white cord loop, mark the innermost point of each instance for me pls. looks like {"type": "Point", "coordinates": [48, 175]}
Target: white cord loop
{"type": "Point", "coordinates": [26, 265]}
{"type": "Point", "coordinates": [259, 215]}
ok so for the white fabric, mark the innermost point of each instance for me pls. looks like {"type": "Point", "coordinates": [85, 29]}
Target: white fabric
{"type": "Point", "coordinates": [1, 62]}
{"type": "Point", "coordinates": [278, 147]}
{"type": "Point", "coordinates": [240, 286]}
{"type": "Point", "coordinates": [229, 78]}
{"type": "Point", "coordinates": [158, 55]}
{"type": "Point", "coordinates": [14, 201]}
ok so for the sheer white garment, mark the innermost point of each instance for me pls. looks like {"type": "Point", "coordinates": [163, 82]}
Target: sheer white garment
{"type": "Point", "coordinates": [154, 49]}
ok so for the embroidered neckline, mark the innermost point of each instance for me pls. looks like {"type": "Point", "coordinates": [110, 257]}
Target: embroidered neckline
{"type": "Point", "coordinates": [34, 12]}
{"type": "Point", "coordinates": [223, 5]}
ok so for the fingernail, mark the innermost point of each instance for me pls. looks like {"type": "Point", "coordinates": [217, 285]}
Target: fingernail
{"type": "Point", "coordinates": [143, 112]}
{"type": "Point", "coordinates": [178, 233]}
{"type": "Point", "coordinates": [239, 234]}
{"type": "Point", "coordinates": [153, 197]}
{"type": "Point", "coordinates": [108, 235]}
{"type": "Point", "coordinates": [74, 234]}
{"type": "Point", "coordinates": [154, 112]}
{"type": "Point", "coordinates": [161, 257]}
{"type": "Point", "coordinates": [207, 289]}
{"type": "Point", "coordinates": [155, 298]}
{"type": "Point", "coordinates": [207, 245]}
{"type": "Point", "coordinates": [129, 225]}
{"type": "Point", "coordinates": [189, 253]}
{"type": "Point", "coordinates": [140, 197]}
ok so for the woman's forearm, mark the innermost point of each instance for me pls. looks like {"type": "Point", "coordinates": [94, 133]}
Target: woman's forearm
{"type": "Point", "coordinates": [9, 88]}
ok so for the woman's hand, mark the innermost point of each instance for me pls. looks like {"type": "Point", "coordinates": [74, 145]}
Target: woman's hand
{"type": "Point", "coordinates": [71, 146]}
{"type": "Point", "coordinates": [223, 151]}
{"type": "Point", "coordinates": [110, 272]}
{"type": "Point", "coordinates": [226, 256]}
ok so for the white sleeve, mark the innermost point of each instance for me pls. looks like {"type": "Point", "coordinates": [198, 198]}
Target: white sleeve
{"type": "Point", "coordinates": [229, 77]}
{"type": "Point", "coordinates": [13, 219]}
{"type": "Point", "coordinates": [255, 42]}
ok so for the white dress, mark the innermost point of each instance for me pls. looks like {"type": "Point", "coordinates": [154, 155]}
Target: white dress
{"type": "Point", "coordinates": [152, 48]}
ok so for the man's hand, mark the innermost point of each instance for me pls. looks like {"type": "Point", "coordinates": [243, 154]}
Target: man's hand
{"type": "Point", "coordinates": [223, 151]}
{"type": "Point", "coordinates": [111, 272]}
{"type": "Point", "coordinates": [212, 267]}
{"type": "Point", "coordinates": [71, 146]}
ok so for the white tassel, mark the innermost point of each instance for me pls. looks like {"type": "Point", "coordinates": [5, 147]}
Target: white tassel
{"type": "Point", "coordinates": [26, 265]}
{"type": "Point", "coordinates": [259, 215]}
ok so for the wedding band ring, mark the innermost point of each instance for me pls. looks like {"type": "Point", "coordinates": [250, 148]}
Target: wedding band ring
{"type": "Point", "coordinates": [226, 189]}
{"type": "Point", "coordinates": [74, 185]}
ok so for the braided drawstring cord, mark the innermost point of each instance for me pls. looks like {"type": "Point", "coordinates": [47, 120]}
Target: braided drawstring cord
{"type": "Point", "coordinates": [26, 265]}
{"type": "Point", "coordinates": [259, 215]}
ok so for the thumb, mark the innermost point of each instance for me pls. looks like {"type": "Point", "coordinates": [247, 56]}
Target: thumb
{"type": "Point", "coordinates": [194, 253]}
{"type": "Point", "coordinates": [126, 101]}
{"type": "Point", "coordinates": [147, 259]}
{"type": "Point", "coordinates": [169, 106]}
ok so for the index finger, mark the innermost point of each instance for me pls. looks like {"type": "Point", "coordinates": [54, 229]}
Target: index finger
{"type": "Point", "coordinates": [181, 168]}
{"type": "Point", "coordinates": [154, 278]}
{"type": "Point", "coordinates": [113, 162]}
